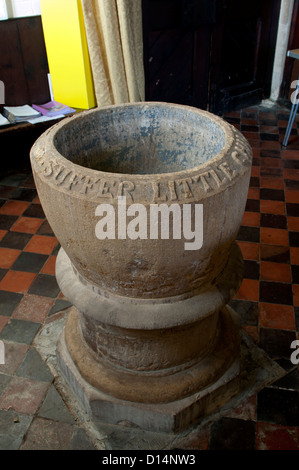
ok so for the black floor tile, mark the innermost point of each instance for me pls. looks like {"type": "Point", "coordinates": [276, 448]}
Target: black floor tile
{"type": "Point", "coordinates": [232, 434]}
{"type": "Point", "coordinates": [29, 262]}
{"type": "Point", "coordinates": [2, 273]}
{"type": "Point", "coordinates": [269, 137]}
{"type": "Point", "coordinates": [289, 381]}
{"type": "Point", "coordinates": [6, 191]}
{"type": "Point", "coordinates": [254, 182]}
{"type": "Point", "coordinates": [60, 304]}
{"type": "Point", "coordinates": [15, 240]}
{"type": "Point", "coordinates": [278, 406]}
{"type": "Point", "coordinates": [7, 221]}
{"type": "Point", "coordinates": [295, 273]}
{"type": "Point", "coordinates": [249, 128]}
{"type": "Point", "coordinates": [8, 302]}
{"type": "Point", "coordinates": [34, 210]}
{"type": "Point", "coordinates": [249, 234]}
{"type": "Point", "coordinates": [24, 194]}
{"type": "Point", "coordinates": [277, 343]}
{"type": "Point", "coordinates": [252, 205]}
{"type": "Point", "coordinates": [251, 269]}
{"type": "Point", "coordinates": [292, 184]}
{"type": "Point", "coordinates": [296, 309]}
{"type": "Point", "coordinates": [273, 221]}
{"type": "Point", "coordinates": [294, 238]}
{"type": "Point", "coordinates": [272, 194]}
{"type": "Point", "coordinates": [292, 164]}
{"type": "Point", "coordinates": [276, 292]}
{"type": "Point", "coordinates": [45, 229]}
{"type": "Point", "coordinates": [292, 209]}
{"type": "Point", "coordinates": [19, 331]}
{"type": "Point", "coordinates": [45, 285]}
{"type": "Point", "coordinates": [56, 250]}
{"type": "Point", "coordinates": [14, 179]}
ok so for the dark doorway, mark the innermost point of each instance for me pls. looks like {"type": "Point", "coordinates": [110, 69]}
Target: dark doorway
{"type": "Point", "coordinates": [212, 54]}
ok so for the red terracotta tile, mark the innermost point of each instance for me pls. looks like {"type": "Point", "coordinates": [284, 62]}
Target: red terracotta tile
{"type": "Point", "coordinates": [291, 174]}
{"type": "Point", "coordinates": [8, 256]}
{"type": "Point", "coordinates": [250, 122]}
{"type": "Point", "coordinates": [2, 233]}
{"type": "Point", "coordinates": [14, 356]}
{"type": "Point", "coordinates": [270, 145]}
{"type": "Point", "coordinates": [36, 200]}
{"type": "Point", "coordinates": [290, 154]}
{"type": "Point", "coordinates": [295, 288]}
{"type": "Point", "coordinates": [253, 193]}
{"type": "Point", "coordinates": [249, 290]}
{"type": "Point", "coordinates": [251, 219]}
{"type": "Point", "coordinates": [267, 162]}
{"type": "Point", "coordinates": [41, 244]}
{"type": "Point", "coordinates": [27, 225]}
{"type": "Point", "coordinates": [14, 207]}
{"type": "Point", "coordinates": [33, 308]}
{"type": "Point", "coordinates": [249, 250]}
{"type": "Point", "coordinates": [276, 316]}
{"type": "Point", "coordinates": [274, 236]}
{"type": "Point", "coordinates": [17, 281]}
{"type": "Point", "coordinates": [23, 395]}
{"type": "Point", "coordinates": [272, 207]}
{"type": "Point", "coordinates": [49, 267]}
{"type": "Point", "coordinates": [273, 437]}
{"type": "Point", "coordinates": [271, 182]}
{"type": "Point", "coordinates": [284, 123]}
{"type": "Point", "coordinates": [251, 135]}
{"type": "Point", "coordinates": [293, 224]}
{"type": "Point", "coordinates": [255, 171]}
{"type": "Point", "coordinates": [278, 272]}
{"type": "Point", "coordinates": [294, 254]}
{"type": "Point", "coordinates": [3, 321]}
{"type": "Point", "coordinates": [292, 196]}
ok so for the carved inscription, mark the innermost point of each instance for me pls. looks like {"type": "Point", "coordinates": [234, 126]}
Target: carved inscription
{"type": "Point", "coordinates": [97, 187]}
{"type": "Point", "coordinates": [213, 178]}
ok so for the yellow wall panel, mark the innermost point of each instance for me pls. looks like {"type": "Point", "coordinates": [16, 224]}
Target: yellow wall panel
{"type": "Point", "coordinates": [67, 53]}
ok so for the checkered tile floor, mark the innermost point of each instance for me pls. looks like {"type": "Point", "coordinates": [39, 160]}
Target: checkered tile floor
{"type": "Point", "coordinates": [268, 303]}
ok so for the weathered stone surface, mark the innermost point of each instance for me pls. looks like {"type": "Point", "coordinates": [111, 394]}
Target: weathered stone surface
{"type": "Point", "coordinates": [152, 154]}
{"type": "Point", "coordinates": [150, 339]}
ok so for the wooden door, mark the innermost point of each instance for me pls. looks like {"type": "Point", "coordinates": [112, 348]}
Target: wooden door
{"type": "Point", "coordinates": [242, 53]}
{"type": "Point", "coordinates": [211, 54]}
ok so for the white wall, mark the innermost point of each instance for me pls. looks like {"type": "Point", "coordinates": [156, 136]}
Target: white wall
{"type": "Point", "coordinates": [19, 8]}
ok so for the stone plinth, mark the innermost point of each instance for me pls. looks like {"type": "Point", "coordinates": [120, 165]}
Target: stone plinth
{"type": "Point", "coordinates": [150, 339]}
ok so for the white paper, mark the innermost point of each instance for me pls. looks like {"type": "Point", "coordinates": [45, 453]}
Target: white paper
{"type": "Point", "coordinates": [22, 111]}
{"type": "Point", "coordinates": [3, 120]}
{"type": "Point", "coordinates": [44, 118]}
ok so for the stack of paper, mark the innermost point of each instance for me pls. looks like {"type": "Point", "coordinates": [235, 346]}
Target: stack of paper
{"type": "Point", "coordinates": [53, 108]}
{"type": "Point", "coordinates": [20, 113]}
{"type": "Point", "coordinates": [3, 121]}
